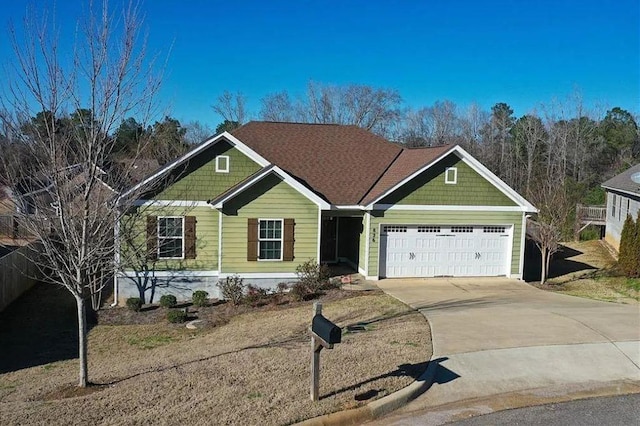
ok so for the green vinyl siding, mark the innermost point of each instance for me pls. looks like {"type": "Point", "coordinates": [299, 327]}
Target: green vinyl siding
{"type": "Point", "coordinates": [413, 217]}
{"type": "Point", "coordinates": [270, 198]}
{"type": "Point", "coordinates": [199, 181]}
{"type": "Point", "coordinates": [206, 239]}
{"type": "Point", "coordinates": [429, 188]}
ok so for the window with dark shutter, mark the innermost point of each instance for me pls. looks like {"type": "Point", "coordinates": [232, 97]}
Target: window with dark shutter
{"type": "Point", "coordinates": [152, 237]}
{"type": "Point", "coordinates": [252, 240]}
{"type": "Point", "coordinates": [190, 237]}
{"type": "Point", "coordinates": [289, 232]}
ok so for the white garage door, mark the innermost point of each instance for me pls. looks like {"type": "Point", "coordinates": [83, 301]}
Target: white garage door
{"type": "Point", "coordinates": [445, 250]}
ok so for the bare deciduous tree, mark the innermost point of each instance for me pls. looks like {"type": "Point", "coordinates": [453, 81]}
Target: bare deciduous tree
{"type": "Point", "coordinates": [277, 107]}
{"type": "Point", "coordinates": [197, 132]}
{"type": "Point", "coordinates": [555, 206]}
{"type": "Point", "coordinates": [231, 107]}
{"type": "Point", "coordinates": [80, 95]}
{"type": "Point", "coordinates": [364, 106]}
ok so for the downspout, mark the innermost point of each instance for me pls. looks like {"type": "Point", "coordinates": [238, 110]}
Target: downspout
{"type": "Point", "coordinates": [116, 258]}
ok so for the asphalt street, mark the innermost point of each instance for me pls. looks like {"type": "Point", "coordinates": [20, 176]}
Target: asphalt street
{"type": "Point", "coordinates": [611, 411]}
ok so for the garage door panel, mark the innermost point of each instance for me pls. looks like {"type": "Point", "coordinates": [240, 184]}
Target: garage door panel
{"type": "Point", "coordinates": [460, 250]}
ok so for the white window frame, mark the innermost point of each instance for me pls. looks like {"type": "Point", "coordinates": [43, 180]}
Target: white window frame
{"type": "Point", "coordinates": [613, 205]}
{"type": "Point", "coordinates": [281, 239]}
{"type": "Point", "coordinates": [455, 175]}
{"type": "Point", "coordinates": [220, 169]}
{"type": "Point", "coordinates": [158, 237]}
{"type": "Point", "coordinates": [619, 208]}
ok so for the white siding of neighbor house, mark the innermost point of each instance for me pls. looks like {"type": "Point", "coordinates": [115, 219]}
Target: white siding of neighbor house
{"type": "Point", "coordinates": [616, 214]}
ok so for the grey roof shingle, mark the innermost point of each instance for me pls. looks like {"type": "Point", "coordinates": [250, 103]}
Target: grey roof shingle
{"type": "Point", "coordinates": [623, 182]}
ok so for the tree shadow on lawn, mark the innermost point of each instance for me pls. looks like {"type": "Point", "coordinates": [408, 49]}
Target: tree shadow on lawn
{"type": "Point", "coordinates": [275, 344]}
{"type": "Point", "coordinates": [302, 336]}
{"type": "Point", "coordinates": [561, 263]}
{"type": "Point", "coordinates": [38, 328]}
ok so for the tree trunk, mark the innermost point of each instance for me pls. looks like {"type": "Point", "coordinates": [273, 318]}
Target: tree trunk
{"type": "Point", "coordinates": [82, 341]}
{"type": "Point", "coordinates": [548, 262]}
{"type": "Point", "coordinates": [543, 272]}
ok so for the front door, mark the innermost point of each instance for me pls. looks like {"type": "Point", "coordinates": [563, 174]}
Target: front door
{"type": "Point", "coordinates": [328, 240]}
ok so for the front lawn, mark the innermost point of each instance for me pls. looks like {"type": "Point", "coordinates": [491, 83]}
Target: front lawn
{"type": "Point", "coordinates": [252, 370]}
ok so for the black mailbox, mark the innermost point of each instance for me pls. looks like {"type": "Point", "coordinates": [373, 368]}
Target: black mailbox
{"type": "Point", "coordinates": [326, 330]}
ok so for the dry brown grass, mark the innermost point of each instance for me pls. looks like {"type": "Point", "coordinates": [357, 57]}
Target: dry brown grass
{"type": "Point", "coordinates": [597, 281]}
{"type": "Point", "coordinates": [254, 370]}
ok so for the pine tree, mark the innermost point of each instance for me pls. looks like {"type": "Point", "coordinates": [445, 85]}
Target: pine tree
{"type": "Point", "coordinates": [625, 254]}
{"type": "Point", "coordinates": [635, 249]}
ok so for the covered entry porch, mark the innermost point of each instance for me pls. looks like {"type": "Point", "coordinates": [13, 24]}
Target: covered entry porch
{"type": "Point", "coordinates": [342, 238]}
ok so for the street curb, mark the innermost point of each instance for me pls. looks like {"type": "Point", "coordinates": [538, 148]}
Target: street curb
{"type": "Point", "coordinates": [381, 406]}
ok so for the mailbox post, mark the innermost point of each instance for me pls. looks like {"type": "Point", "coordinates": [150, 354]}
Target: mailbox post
{"type": "Point", "coordinates": [324, 334]}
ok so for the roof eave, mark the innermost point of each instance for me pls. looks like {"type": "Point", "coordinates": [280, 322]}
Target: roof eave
{"type": "Point", "coordinates": [287, 178]}
{"type": "Point", "coordinates": [526, 206]}
{"type": "Point", "coordinates": [625, 191]}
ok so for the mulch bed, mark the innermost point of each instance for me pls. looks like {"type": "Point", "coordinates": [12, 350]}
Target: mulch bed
{"type": "Point", "coordinates": [217, 312]}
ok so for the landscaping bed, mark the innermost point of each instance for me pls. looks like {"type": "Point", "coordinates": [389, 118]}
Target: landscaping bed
{"type": "Point", "coordinates": [249, 365]}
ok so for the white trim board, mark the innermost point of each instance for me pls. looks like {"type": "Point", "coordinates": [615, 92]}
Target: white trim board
{"type": "Point", "coordinates": [620, 191]}
{"type": "Point", "coordinates": [310, 195]}
{"type": "Point", "coordinates": [523, 241]}
{"type": "Point", "coordinates": [264, 275]}
{"type": "Point", "coordinates": [170, 203]}
{"type": "Point", "coordinates": [216, 274]}
{"type": "Point", "coordinates": [168, 273]}
{"type": "Point", "coordinates": [446, 208]}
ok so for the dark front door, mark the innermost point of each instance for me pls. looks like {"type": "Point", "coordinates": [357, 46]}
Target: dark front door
{"type": "Point", "coordinates": [328, 239]}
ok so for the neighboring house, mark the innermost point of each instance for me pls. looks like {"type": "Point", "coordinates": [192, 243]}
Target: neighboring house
{"type": "Point", "coordinates": [7, 201]}
{"type": "Point", "coordinates": [35, 196]}
{"type": "Point", "coordinates": [623, 198]}
{"type": "Point", "coordinates": [270, 196]}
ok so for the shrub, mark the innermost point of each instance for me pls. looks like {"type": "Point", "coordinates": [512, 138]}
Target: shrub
{"type": "Point", "coordinates": [232, 289]}
{"type": "Point", "coordinates": [200, 297]}
{"type": "Point", "coordinates": [299, 292]}
{"type": "Point", "coordinates": [255, 295]}
{"type": "Point", "coordinates": [176, 316]}
{"type": "Point", "coordinates": [590, 233]}
{"type": "Point", "coordinates": [168, 301]}
{"type": "Point", "coordinates": [629, 258]}
{"type": "Point", "coordinates": [134, 304]}
{"type": "Point", "coordinates": [312, 275]}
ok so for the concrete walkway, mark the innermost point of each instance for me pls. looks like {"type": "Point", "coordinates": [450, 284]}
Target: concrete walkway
{"type": "Point", "coordinates": [501, 342]}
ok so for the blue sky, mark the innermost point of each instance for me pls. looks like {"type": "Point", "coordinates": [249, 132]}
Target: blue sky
{"type": "Point", "coordinates": [523, 53]}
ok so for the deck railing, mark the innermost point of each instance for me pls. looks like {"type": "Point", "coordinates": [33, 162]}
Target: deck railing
{"type": "Point", "coordinates": [591, 214]}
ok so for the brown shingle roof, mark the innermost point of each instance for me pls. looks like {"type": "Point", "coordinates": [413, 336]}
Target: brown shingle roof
{"type": "Point", "coordinates": [341, 163]}
{"type": "Point", "coordinates": [408, 162]}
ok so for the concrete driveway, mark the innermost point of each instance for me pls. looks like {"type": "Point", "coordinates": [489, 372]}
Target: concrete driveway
{"type": "Point", "coordinates": [501, 343]}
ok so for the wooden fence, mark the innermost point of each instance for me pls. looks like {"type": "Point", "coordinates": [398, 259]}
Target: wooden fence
{"type": "Point", "coordinates": [17, 272]}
